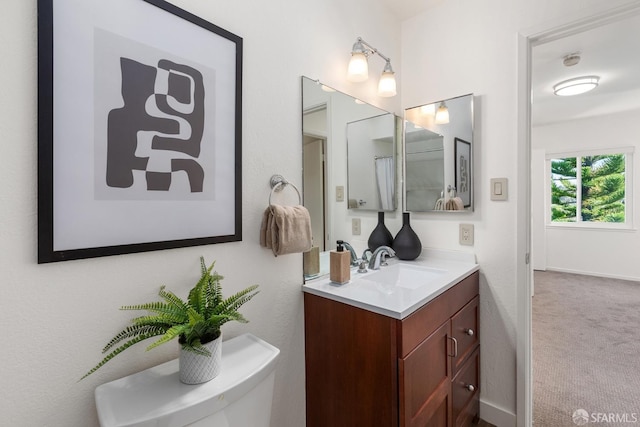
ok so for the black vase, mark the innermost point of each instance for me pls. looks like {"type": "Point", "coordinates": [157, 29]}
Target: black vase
{"type": "Point", "coordinates": [380, 236]}
{"type": "Point", "coordinates": [406, 243]}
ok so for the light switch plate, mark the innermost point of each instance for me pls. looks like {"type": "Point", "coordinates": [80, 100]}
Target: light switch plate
{"type": "Point", "coordinates": [339, 193]}
{"type": "Point", "coordinates": [499, 188]}
{"type": "Point", "coordinates": [466, 234]}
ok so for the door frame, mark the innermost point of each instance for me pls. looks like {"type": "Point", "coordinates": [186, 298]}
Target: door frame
{"type": "Point", "coordinates": [526, 41]}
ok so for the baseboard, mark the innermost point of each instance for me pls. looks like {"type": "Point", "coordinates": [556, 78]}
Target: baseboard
{"type": "Point", "coordinates": [495, 415]}
{"type": "Point", "coordinates": [590, 273]}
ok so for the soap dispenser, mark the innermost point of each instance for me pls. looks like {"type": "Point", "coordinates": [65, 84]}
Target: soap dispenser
{"type": "Point", "coordinates": [340, 265]}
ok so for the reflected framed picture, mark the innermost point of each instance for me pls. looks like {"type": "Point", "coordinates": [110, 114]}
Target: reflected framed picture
{"type": "Point", "coordinates": [139, 129]}
{"type": "Point", "coordinates": [463, 170]}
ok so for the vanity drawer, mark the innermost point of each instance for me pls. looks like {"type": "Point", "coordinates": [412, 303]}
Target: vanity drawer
{"type": "Point", "coordinates": [422, 323]}
{"type": "Point", "coordinates": [465, 392]}
{"type": "Point", "coordinates": [464, 330]}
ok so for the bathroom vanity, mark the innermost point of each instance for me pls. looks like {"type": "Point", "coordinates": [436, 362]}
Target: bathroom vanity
{"type": "Point", "coordinates": [392, 349]}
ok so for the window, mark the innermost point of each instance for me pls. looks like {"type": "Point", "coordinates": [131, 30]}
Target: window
{"type": "Point", "coordinates": [592, 188]}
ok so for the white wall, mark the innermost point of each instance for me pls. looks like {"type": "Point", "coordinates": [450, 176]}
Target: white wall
{"type": "Point", "coordinates": [55, 318]}
{"type": "Point", "coordinates": [599, 252]}
{"type": "Point", "coordinates": [464, 46]}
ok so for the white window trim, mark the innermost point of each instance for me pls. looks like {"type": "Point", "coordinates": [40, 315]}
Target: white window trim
{"type": "Point", "coordinates": [584, 225]}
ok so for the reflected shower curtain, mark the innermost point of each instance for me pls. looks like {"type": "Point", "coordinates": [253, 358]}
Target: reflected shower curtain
{"type": "Point", "coordinates": [385, 181]}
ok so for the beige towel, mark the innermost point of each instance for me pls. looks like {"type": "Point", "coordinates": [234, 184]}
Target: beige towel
{"type": "Point", "coordinates": [454, 204]}
{"type": "Point", "coordinates": [286, 229]}
{"type": "Point", "coordinates": [265, 229]}
{"type": "Point", "coordinates": [459, 203]}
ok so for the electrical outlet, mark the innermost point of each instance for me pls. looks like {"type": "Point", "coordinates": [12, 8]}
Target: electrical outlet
{"type": "Point", "coordinates": [466, 234]}
{"type": "Point", "coordinates": [355, 226]}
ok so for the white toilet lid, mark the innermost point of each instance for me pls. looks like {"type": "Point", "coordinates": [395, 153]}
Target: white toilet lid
{"type": "Point", "coordinates": [157, 397]}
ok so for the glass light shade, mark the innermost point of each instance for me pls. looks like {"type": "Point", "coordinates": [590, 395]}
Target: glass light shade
{"type": "Point", "coordinates": [428, 110]}
{"type": "Point", "coordinates": [358, 70]}
{"type": "Point", "coordinates": [576, 86]}
{"type": "Point", "coordinates": [442, 115]}
{"type": "Point", "coordinates": [387, 84]}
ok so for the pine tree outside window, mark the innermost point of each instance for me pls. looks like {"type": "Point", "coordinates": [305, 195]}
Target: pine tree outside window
{"type": "Point", "coordinates": [590, 188]}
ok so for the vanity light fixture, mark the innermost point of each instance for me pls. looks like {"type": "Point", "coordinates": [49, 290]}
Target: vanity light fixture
{"type": "Point", "coordinates": [358, 70]}
{"type": "Point", "coordinates": [428, 110]}
{"type": "Point", "coordinates": [442, 115]}
{"type": "Point", "coordinates": [576, 86]}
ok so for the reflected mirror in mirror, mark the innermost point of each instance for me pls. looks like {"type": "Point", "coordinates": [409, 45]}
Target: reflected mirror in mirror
{"type": "Point", "coordinates": [438, 141]}
{"type": "Point", "coordinates": [371, 163]}
{"type": "Point", "coordinates": [332, 121]}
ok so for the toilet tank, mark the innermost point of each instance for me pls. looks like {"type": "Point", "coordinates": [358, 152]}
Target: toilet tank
{"type": "Point", "coordinates": [240, 396]}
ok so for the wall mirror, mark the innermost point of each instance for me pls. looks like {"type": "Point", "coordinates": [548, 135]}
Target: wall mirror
{"type": "Point", "coordinates": [371, 173]}
{"type": "Point", "coordinates": [438, 156]}
{"type": "Point", "coordinates": [343, 141]}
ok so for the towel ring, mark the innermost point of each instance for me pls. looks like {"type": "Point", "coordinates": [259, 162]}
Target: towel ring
{"type": "Point", "coordinates": [278, 183]}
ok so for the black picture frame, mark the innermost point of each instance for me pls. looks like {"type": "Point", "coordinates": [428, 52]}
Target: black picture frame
{"type": "Point", "coordinates": [185, 188]}
{"type": "Point", "coordinates": [464, 174]}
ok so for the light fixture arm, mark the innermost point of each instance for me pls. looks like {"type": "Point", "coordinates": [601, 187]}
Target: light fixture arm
{"type": "Point", "coordinates": [371, 50]}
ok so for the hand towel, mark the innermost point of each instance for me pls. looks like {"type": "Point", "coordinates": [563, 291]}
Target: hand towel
{"type": "Point", "coordinates": [291, 230]}
{"type": "Point", "coordinates": [265, 229]}
{"type": "Point", "coordinates": [459, 203]}
{"type": "Point", "coordinates": [286, 229]}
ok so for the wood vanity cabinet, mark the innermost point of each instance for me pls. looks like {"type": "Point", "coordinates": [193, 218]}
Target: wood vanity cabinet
{"type": "Point", "coordinates": [365, 369]}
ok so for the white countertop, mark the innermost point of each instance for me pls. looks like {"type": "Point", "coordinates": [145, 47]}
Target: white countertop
{"type": "Point", "coordinates": [398, 301]}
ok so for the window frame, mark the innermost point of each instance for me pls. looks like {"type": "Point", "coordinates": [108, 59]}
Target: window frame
{"type": "Point", "coordinates": [579, 223]}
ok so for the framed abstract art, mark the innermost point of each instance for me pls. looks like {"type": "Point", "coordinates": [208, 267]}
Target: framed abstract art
{"type": "Point", "coordinates": [139, 129]}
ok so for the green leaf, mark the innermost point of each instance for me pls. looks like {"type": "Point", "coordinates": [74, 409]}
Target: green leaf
{"type": "Point", "coordinates": [195, 321]}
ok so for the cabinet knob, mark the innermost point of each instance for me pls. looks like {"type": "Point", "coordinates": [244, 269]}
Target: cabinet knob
{"type": "Point", "coordinates": [470, 387]}
{"type": "Point", "coordinates": [469, 332]}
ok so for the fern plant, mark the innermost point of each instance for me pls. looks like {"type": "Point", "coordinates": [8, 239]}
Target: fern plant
{"type": "Point", "coordinates": [195, 322]}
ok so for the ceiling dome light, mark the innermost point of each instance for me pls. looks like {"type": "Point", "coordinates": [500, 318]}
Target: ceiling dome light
{"type": "Point", "coordinates": [576, 86]}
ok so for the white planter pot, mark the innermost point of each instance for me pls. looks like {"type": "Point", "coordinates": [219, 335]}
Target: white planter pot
{"type": "Point", "coordinates": [197, 369]}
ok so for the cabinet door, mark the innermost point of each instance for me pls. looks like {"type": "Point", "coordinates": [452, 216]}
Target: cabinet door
{"type": "Point", "coordinates": [351, 366]}
{"type": "Point", "coordinates": [425, 384]}
{"type": "Point", "coordinates": [464, 329]}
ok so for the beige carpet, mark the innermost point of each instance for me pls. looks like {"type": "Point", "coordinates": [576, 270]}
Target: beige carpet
{"type": "Point", "coordinates": [586, 350]}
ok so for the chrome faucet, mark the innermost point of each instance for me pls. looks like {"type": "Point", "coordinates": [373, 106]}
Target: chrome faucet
{"type": "Point", "coordinates": [377, 256]}
{"type": "Point", "coordinates": [354, 257]}
{"type": "Point", "coordinates": [364, 255]}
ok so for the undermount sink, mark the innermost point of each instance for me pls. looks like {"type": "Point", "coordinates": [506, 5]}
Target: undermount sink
{"type": "Point", "coordinates": [404, 276]}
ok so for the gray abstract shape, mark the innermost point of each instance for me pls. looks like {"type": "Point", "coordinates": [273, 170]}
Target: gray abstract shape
{"type": "Point", "coordinates": [138, 82]}
{"type": "Point", "coordinates": [194, 171]}
{"type": "Point", "coordinates": [195, 118]}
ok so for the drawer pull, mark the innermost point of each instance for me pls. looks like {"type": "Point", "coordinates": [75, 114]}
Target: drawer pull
{"type": "Point", "coordinates": [455, 347]}
{"type": "Point", "coordinates": [469, 332]}
{"type": "Point", "coordinates": [470, 387]}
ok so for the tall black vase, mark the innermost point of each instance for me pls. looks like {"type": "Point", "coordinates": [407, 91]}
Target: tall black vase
{"type": "Point", "coordinates": [407, 243]}
{"type": "Point", "coordinates": [380, 236]}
